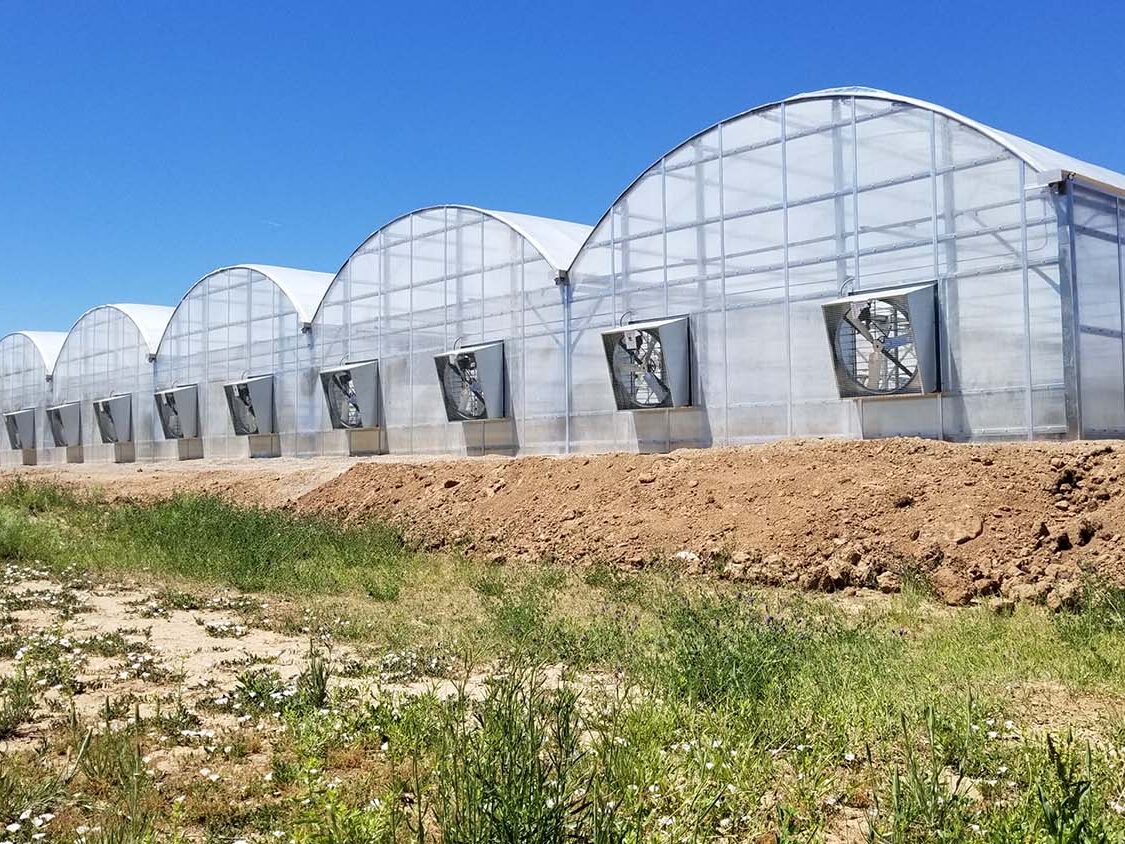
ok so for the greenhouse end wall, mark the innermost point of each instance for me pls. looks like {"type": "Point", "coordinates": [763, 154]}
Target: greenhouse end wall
{"type": "Point", "coordinates": [434, 280]}
{"type": "Point", "coordinates": [107, 353]}
{"type": "Point", "coordinates": [751, 226]}
{"type": "Point", "coordinates": [234, 324]}
{"type": "Point", "coordinates": [23, 385]}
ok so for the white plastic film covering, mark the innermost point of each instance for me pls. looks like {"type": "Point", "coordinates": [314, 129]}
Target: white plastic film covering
{"type": "Point", "coordinates": [107, 353]}
{"type": "Point", "coordinates": [23, 384]}
{"type": "Point", "coordinates": [748, 228]}
{"type": "Point", "coordinates": [752, 225]}
{"type": "Point", "coordinates": [445, 276]}
{"type": "Point", "coordinates": [1099, 270]}
{"type": "Point", "coordinates": [234, 324]}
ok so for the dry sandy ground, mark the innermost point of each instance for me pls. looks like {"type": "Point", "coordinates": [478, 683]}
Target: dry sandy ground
{"type": "Point", "coordinates": [170, 654]}
{"type": "Point", "coordinates": [130, 641]}
{"type": "Point", "coordinates": [981, 522]}
{"type": "Point", "coordinates": [268, 483]}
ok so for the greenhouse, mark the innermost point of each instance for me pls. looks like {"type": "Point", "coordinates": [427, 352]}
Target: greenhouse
{"type": "Point", "coordinates": [843, 263]}
{"type": "Point", "coordinates": [444, 333]}
{"type": "Point", "coordinates": [26, 360]}
{"type": "Point", "coordinates": [850, 263]}
{"type": "Point", "coordinates": [101, 386]}
{"type": "Point", "coordinates": [232, 370]}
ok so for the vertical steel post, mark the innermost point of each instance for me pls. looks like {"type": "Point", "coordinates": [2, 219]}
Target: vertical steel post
{"type": "Point", "coordinates": [1029, 408]}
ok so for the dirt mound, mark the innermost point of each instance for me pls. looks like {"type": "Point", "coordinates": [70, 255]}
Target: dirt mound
{"type": "Point", "coordinates": [1007, 522]}
{"type": "Point", "coordinates": [1004, 522]}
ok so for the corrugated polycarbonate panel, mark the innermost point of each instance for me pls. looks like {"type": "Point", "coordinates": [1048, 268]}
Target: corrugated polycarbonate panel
{"type": "Point", "coordinates": [750, 227]}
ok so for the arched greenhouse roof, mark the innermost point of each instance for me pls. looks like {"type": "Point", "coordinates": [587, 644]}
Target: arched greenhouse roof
{"type": "Point", "coordinates": [303, 288]}
{"type": "Point", "coordinates": [47, 343]}
{"type": "Point", "coordinates": [150, 320]}
{"type": "Point", "coordinates": [1036, 156]}
{"type": "Point", "coordinates": [1039, 158]}
{"type": "Point", "coordinates": [558, 241]}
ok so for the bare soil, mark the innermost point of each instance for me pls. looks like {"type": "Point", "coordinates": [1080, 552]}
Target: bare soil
{"type": "Point", "coordinates": [1005, 522]}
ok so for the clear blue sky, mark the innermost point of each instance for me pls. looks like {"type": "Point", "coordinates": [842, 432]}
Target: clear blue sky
{"type": "Point", "coordinates": [144, 144]}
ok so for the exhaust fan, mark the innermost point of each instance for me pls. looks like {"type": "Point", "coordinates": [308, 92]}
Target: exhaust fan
{"type": "Point", "coordinates": [472, 382]}
{"type": "Point", "coordinates": [21, 428]}
{"type": "Point", "coordinates": [352, 392]}
{"type": "Point", "coordinates": [66, 424]}
{"type": "Point", "coordinates": [251, 405]}
{"type": "Point", "coordinates": [115, 418]}
{"type": "Point", "coordinates": [178, 409]}
{"type": "Point", "coordinates": [884, 342]}
{"type": "Point", "coordinates": [650, 364]}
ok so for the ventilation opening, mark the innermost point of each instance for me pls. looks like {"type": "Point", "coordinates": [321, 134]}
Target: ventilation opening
{"type": "Point", "coordinates": [251, 405]}
{"type": "Point", "coordinates": [472, 382]}
{"type": "Point", "coordinates": [650, 364]}
{"type": "Point", "coordinates": [20, 425]}
{"type": "Point", "coordinates": [352, 393]}
{"type": "Point", "coordinates": [884, 342]}
{"type": "Point", "coordinates": [65, 421]}
{"type": "Point", "coordinates": [178, 410]}
{"type": "Point", "coordinates": [115, 418]}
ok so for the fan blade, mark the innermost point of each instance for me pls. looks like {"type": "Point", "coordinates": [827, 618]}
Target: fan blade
{"type": "Point", "coordinates": [637, 361]}
{"type": "Point", "coordinates": [861, 328]}
{"type": "Point", "coordinates": [876, 343]}
{"type": "Point", "coordinates": [655, 385]}
{"type": "Point", "coordinates": [650, 349]}
{"type": "Point", "coordinates": [897, 342]}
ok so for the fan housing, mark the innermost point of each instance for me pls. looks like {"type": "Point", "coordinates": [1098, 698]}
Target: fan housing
{"type": "Point", "coordinates": [20, 425]}
{"type": "Point", "coordinates": [650, 364]}
{"type": "Point", "coordinates": [884, 342]}
{"type": "Point", "coordinates": [65, 421]}
{"type": "Point", "coordinates": [114, 416]}
{"type": "Point", "coordinates": [472, 382]}
{"type": "Point", "coordinates": [250, 403]}
{"type": "Point", "coordinates": [178, 410]}
{"type": "Point", "coordinates": [352, 393]}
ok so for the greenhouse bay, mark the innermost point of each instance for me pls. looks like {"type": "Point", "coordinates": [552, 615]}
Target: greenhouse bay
{"type": "Point", "coordinates": [842, 263]}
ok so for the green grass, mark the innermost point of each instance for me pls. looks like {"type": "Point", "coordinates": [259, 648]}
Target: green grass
{"type": "Point", "coordinates": [592, 705]}
{"type": "Point", "coordinates": [200, 538]}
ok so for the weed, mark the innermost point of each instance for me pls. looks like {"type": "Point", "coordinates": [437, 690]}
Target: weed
{"type": "Point", "coordinates": [923, 800]}
{"type": "Point", "coordinates": [513, 766]}
{"type": "Point", "coordinates": [36, 497]}
{"type": "Point", "coordinates": [16, 703]}
{"type": "Point", "coordinates": [312, 685]}
{"type": "Point", "coordinates": [1068, 816]}
{"type": "Point", "coordinates": [490, 585]}
{"type": "Point", "coordinates": [712, 650]}
{"type": "Point", "coordinates": [382, 584]}
{"type": "Point", "coordinates": [254, 548]}
{"type": "Point", "coordinates": [414, 663]}
{"type": "Point", "coordinates": [674, 710]}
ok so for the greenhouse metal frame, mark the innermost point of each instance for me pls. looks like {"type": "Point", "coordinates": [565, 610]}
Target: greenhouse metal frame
{"type": "Point", "coordinates": [846, 263]}
{"type": "Point", "coordinates": [234, 325]}
{"type": "Point", "coordinates": [26, 360]}
{"type": "Point", "coordinates": [437, 279]}
{"type": "Point", "coordinates": [753, 224]}
{"type": "Point", "coordinates": [107, 353]}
